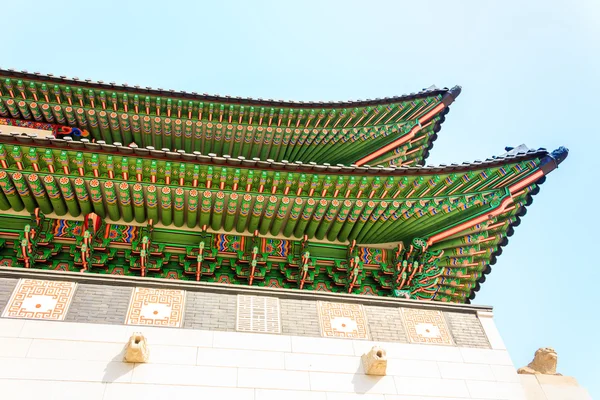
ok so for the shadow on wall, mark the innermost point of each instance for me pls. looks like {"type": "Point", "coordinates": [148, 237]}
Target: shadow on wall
{"type": "Point", "coordinates": [116, 368]}
{"type": "Point", "coordinates": [364, 383]}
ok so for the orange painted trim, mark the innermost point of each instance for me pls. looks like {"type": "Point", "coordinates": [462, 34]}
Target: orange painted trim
{"type": "Point", "coordinates": [494, 226]}
{"type": "Point", "coordinates": [469, 224]}
{"type": "Point", "coordinates": [504, 205]}
{"type": "Point", "coordinates": [412, 151]}
{"type": "Point", "coordinates": [526, 182]}
{"type": "Point", "coordinates": [403, 139]}
{"type": "Point", "coordinates": [391, 146]}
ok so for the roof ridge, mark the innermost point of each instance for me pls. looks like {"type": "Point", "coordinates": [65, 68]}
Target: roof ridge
{"type": "Point", "coordinates": [431, 90]}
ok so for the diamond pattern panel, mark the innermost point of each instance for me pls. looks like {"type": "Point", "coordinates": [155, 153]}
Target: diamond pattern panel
{"type": "Point", "coordinates": [342, 320]}
{"type": "Point", "coordinates": [40, 299]}
{"type": "Point", "coordinates": [426, 326]}
{"type": "Point", "coordinates": [158, 307]}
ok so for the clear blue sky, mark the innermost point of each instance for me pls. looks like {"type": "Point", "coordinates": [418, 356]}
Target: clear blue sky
{"type": "Point", "coordinates": [529, 72]}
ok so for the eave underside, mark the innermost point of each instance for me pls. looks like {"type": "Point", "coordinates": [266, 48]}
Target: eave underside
{"type": "Point", "coordinates": [357, 227]}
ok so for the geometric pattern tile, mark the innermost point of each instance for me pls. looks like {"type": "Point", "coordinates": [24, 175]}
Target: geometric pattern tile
{"type": "Point", "coordinates": [39, 299]}
{"type": "Point", "coordinates": [342, 320]}
{"type": "Point", "coordinates": [258, 314]}
{"type": "Point", "coordinates": [426, 326]}
{"type": "Point", "coordinates": [156, 307]}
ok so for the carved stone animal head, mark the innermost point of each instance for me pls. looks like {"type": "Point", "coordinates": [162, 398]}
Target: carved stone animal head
{"type": "Point", "coordinates": [544, 361]}
{"type": "Point", "coordinates": [375, 361]}
{"type": "Point", "coordinates": [136, 350]}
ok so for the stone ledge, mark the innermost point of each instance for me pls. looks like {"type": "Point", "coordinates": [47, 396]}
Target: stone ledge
{"type": "Point", "coordinates": [221, 288]}
{"type": "Point", "coordinates": [558, 380]}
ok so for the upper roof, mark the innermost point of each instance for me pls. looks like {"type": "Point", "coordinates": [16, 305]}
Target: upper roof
{"type": "Point", "coordinates": [389, 131]}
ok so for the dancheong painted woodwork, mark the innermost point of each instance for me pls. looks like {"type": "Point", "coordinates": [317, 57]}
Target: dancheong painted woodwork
{"type": "Point", "coordinates": [398, 130]}
{"type": "Point", "coordinates": [107, 179]}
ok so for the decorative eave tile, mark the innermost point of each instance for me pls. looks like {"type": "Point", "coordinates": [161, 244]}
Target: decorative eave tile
{"type": "Point", "coordinates": [426, 326]}
{"type": "Point", "coordinates": [40, 299]}
{"type": "Point", "coordinates": [342, 320]}
{"type": "Point", "coordinates": [156, 307]}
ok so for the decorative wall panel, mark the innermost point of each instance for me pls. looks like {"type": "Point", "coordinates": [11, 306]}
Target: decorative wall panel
{"type": "Point", "coordinates": [426, 326]}
{"type": "Point", "coordinates": [40, 299]}
{"type": "Point", "coordinates": [158, 307]}
{"type": "Point", "coordinates": [342, 320]}
{"type": "Point", "coordinates": [258, 314]}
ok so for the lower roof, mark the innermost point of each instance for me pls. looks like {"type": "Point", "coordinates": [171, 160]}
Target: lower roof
{"type": "Point", "coordinates": [438, 228]}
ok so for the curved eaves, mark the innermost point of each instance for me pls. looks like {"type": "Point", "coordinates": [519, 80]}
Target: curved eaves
{"type": "Point", "coordinates": [242, 162]}
{"type": "Point", "coordinates": [432, 91]}
{"type": "Point", "coordinates": [509, 232]}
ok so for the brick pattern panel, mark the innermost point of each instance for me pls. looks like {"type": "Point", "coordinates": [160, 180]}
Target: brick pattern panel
{"type": "Point", "coordinates": [7, 285]}
{"type": "Point", "coordinates": [299, 318]}
{"type": "Point", "coordinates": [385, 324]}
{"type": "Point", "coordinates": [467, 330]}
{"type": "Point", "coordinates": [100, 304]}
{"type": "Point", "coordinates": [210, 311]}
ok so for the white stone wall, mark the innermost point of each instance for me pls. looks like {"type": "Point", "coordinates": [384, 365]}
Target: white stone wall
{"type": "Point", "coordinates": [552, 387]}
{"type": "Point", "coordinates": [64, 360]}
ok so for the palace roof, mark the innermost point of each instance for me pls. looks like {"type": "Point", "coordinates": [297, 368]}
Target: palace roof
{"type": "Point", "coordinates": [112, 179]}
{"type": "Point", "coordinates": [462, 212]}
{"type": "Point", "coordinates": [390, 131]}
